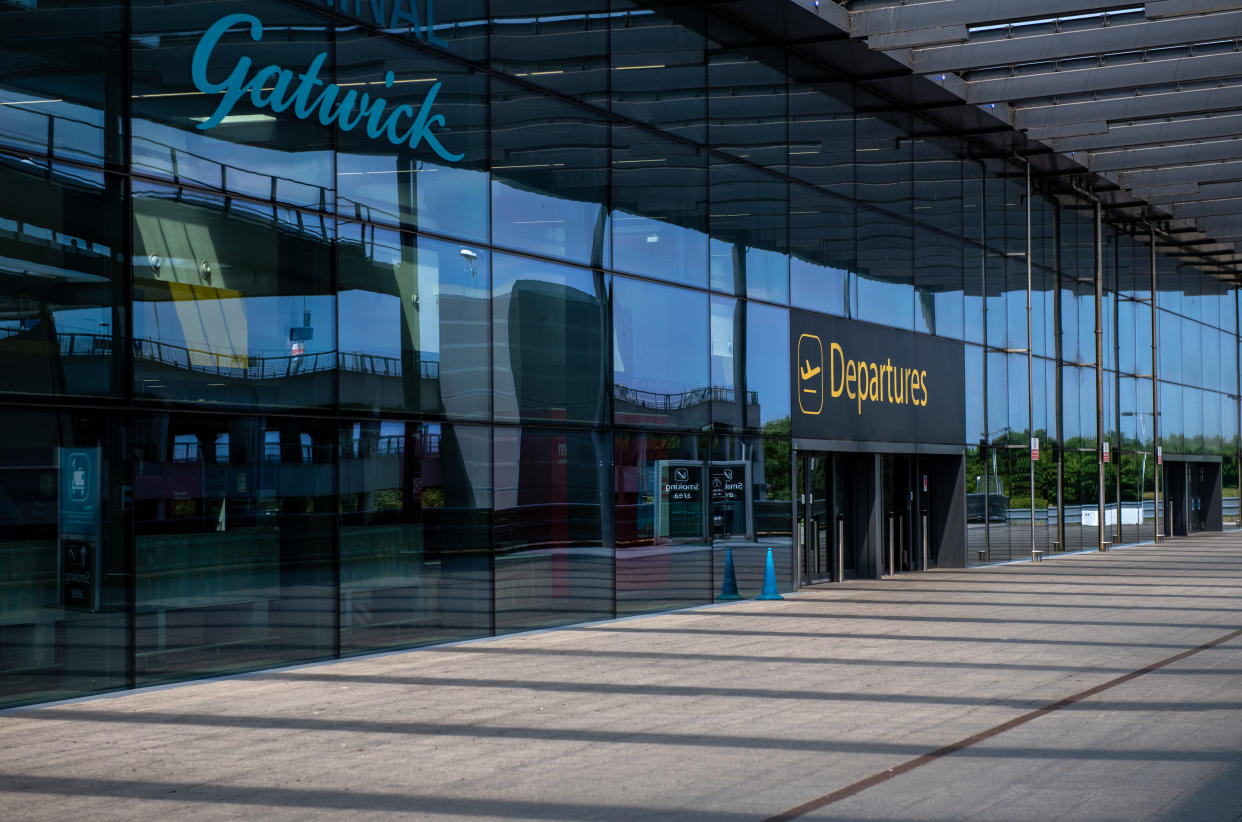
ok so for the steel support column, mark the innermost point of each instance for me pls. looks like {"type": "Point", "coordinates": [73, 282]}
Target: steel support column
{"type": "Point", "coordinates": [1099, 370]}
{"type": "Point", "coordinates": [1155, 386]}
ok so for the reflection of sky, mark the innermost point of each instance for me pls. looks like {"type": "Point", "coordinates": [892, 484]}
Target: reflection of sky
{"type": "Point", "coordinates": [660, 337]}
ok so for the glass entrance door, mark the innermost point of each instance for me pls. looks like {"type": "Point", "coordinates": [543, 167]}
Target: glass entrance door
{"type": "Point", "coordinates": [827, 517]}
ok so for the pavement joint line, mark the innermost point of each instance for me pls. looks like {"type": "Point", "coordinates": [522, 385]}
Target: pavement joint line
{"type": "Point", "coordinates": [928, 758]}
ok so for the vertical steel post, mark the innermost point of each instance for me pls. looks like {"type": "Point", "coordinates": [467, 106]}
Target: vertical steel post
{"type": "Point", "coordinates": [892, 569]}
{"type": "Point", "coordinates": [840, 548]}
{"type": "Point", "coordinates": [1030, 379]}
{"type": "Point", "coordinates": [1155, 388]}
{"type": "Point", "coordinates": [1099, 370]}
{"type": "Point", "coordinates": [926, 567]}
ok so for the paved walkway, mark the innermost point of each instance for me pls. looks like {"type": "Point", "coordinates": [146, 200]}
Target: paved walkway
{"type": "Point", "coordinates": [1089, 687]}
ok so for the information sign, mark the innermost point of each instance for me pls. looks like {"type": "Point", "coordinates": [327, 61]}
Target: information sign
{"type": "Point", "coordinates": [80, 528]}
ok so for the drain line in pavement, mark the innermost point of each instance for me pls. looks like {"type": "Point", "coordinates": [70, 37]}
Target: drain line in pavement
{"type": "Point", "coordinates": [928, 758]}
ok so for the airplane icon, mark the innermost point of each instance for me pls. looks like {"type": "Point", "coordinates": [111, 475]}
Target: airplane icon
{"type": "Point", "coordinates": [810, 361]}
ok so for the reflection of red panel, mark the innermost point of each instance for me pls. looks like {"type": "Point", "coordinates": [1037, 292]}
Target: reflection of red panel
{"type": "Point", "coordinates": [175, 481]}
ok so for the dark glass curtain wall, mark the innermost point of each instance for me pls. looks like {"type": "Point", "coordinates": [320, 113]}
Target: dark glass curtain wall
{"type": "Point", "coordinates": [286, 375]}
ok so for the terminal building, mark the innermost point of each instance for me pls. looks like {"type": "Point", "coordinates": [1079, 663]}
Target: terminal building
{"type": "Point", "coordinates": [330, 327]}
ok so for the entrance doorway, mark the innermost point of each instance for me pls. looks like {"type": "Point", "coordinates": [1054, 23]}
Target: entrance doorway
{"type": "Point", "coordinates": [861, 515]}
{"type": "Point", "coordinates": [1192, 490]}
{"type": "Point", "coordinates": [830, 517]}
{"type": "Point", "coordinates": [908, 504]}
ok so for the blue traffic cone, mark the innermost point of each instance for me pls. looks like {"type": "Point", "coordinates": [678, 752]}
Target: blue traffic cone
{"type": "Point", "coordinates": [769, 581]}
{"type": "Point", "coordinates": [728, 590]}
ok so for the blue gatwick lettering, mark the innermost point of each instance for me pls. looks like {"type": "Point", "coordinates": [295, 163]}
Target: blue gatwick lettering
{"type": "Point", "coordinates": [272, 87]}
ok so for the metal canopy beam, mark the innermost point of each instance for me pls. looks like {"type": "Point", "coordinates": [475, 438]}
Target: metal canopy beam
{"type": "Point", "coordinates": [1209, 208]}
{"type": "Point", "coordinates": [1125, 136]}
{"type": "Point", "coordinates": [1161, 104]}
{"type": "Point", "coordinates": [896, 18]}
{"type": "Point", "coordinates": [1105, 78]}
{"type": "Point", "coordinates": [1158, 9]}
{"type": "Point", "coordinates": [1206, 173]}
{"type": "Point", "coordinates": [1063, 45]}
{"type": "Point", "coordinates": [1193, 193]}
{"type": "Point", "coordinates": [1165, 156]}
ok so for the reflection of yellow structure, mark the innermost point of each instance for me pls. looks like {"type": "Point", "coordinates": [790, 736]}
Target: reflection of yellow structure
{"type": "Point", "coordinates": [810, 374]}
{"type": "Point", "coordinates": [212, 319]}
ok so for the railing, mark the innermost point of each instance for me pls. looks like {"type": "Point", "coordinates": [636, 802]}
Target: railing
{"type": "Point", "coordinates": [681, 400]}
{"type": "Point", "coordinates": [234, 365]}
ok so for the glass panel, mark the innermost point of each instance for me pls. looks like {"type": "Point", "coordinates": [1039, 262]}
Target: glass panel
{"type": "Point", "coordinates": [255, 145]}
{"type": "Point", "coordinates": [727, 356]}
{"type": "Point", "coordinates": [767, 368]}
{"type": "Point", "coordinates": [659, 191]}
{"type": "Point", "coordinates": [62, 232]}
{"type": "Point", "coordinates": [749, 226]}
{"type": "Point", "coordinates": [1232, 514]}
{"type": "Point", "coordinates": [659, 69]}
{"type": "Point", "coordinates": [747, 103]}
{"type": "Point", "coordinates": [751, 512]}
{"type": "Point", "coordinates": [821, 128]}
{"type": "Point", "coordinates": [883, 152]}
{"type": "Point", "coordinates": [235, 305]}
{"type": "Point", "coordinates": [234, 523]}
{"type": "Point", "coordinates": [938, 283]}
{"type": "Point", "coordinates": [650, 386]}
{"type": "Point", "coordinates": [549, 177]}
{"type": "Point", "coordinates": [937, 180]}
{"type": "Point", "coordinates": [65, 80]}
{"type": "Point", "coordinates": [663, 557]}
{"type": "Point", "coordinates": [550, 343]}
{"type": "Point", "coordinates": [415, 534]}
{"type": "Point", "coordinates": [821, 259]}
{"type": "Point", "coordinates": [554, 556]}
{"type": "Point", "coordinates": [558, 44]}
{"type": "Point", "coordinates": [885, 270]}
{"type": "Point", "coordinates": [64, 564]}
{"type": "Point", "coordinates": [439, 184]}
{"type": "Point", "coordinates": [414, 319]}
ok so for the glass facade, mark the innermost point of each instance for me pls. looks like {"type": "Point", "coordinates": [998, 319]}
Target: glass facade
{"type": "Point", "coordinates": [337, 327]}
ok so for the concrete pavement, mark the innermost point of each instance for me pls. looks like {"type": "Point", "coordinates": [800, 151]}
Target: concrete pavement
{"type": "Point", "coordinates": [1088, 687]}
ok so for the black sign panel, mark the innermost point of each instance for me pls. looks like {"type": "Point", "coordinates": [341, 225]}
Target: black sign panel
{"type": "Point", "coordinates": [866, 383]}
{"type": "Point", "coordinates": [728, 483]}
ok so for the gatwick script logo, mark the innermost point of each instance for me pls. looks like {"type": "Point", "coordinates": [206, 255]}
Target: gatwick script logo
{"type": "Point", "coordinates": [307, 94]}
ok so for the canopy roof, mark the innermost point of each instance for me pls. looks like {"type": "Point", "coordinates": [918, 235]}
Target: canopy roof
{"type": "Point", "coordinates": [1138, 103]}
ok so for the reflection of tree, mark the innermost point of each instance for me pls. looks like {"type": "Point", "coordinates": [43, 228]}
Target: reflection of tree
{"type": "Point", "coordinates": [777, 453]}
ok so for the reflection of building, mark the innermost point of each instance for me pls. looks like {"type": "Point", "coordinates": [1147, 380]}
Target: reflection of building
{"type": "Point", "coordinates": [347, 393]}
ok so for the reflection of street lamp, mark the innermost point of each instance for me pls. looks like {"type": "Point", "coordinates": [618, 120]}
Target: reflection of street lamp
{"type": "Point", "coordinates": [1155, 502]}
{"type": "Point", "coordinates": [470, 256]}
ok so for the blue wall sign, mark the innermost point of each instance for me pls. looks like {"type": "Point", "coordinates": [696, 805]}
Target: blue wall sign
{"type": "Point", "coordinates": [308, 95]}
{"type": "Point", "coordinates": [80, 528]}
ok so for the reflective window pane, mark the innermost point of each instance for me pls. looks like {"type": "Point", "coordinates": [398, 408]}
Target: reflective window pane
{"type": "Point", "coordinates": [414, 322]}
{"type": "Point", "coordinates": [64, 556]}
{"type": "Point", "coordinates": [415, 533]}
{"type": "Point", "coordinates": [659, 196]}
{"type": "Point", "coordinates": [234, 303]}
{"type": "Point", "coordinates": [550, 349]}
{"type": "Point", "coordinates": [554, 562]}
{"type": "Point", "coordinates": [650, 386]}
{"type": "Point", "coordinates": [64, 83]}
{"type": "Point", "coordinates": [62, 232]}
{"type": "Point", "coordinates": [549, 177]}
{"type": "Point", "coordinates": [663, 556]}
{"type": "Point", "coordinates": [233, 531]}
{"type": "Point", "coordinates": [252, 145]}
{"type": "Point", "coordinates": [438, 186]}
